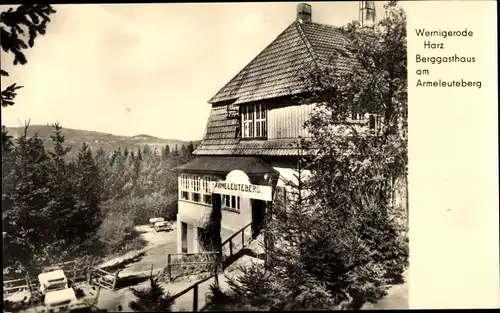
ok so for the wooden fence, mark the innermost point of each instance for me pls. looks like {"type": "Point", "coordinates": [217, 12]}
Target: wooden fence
{"type": "Point", "coordinates": [180, 263]}
{"type": "Point", "coordinates": [103, 278]}
{"type": "Point", "coordinates": [17, 285]}
{"type": "Point", "coordinates": [76, 271]}
{"type": "Point", "coordinates": [216, 271]}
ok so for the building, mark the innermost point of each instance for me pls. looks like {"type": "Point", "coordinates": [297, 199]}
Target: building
{"type": "Point", "coordinates": [254, 124]}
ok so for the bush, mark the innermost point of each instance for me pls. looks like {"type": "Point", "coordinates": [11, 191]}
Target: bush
{"type": "Point", "coordinates": [117, 233]}
{"type": "Point", "coordinates": [140, 210]}
{"type": "Point", "coordinates": [153, 298]}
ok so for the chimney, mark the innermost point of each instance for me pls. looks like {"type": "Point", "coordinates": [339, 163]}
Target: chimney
{"type": "Point", "coordinates": [367, 13]}
{"type": "Point", "coordinates": [304, 13]}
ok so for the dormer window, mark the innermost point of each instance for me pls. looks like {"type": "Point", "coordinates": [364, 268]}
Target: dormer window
{"type": "Point", "coordinates": [254, 121]}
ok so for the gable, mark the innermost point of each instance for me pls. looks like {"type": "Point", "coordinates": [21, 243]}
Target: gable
{"type": "Point", "coordinates": [272, 73]}
{"type": "Point", "coordinates": [277, 70]}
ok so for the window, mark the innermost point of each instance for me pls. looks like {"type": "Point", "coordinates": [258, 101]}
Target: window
{"type": "Point", "coordinates": [195, 185]}
{"type": "Point", "coordinates": [231, 202]}
{"type": "Point", "coordinates": [207, 189]}
{"type": "Point", "coordinates": [196, 188]}
{"type": "Point", "coordinates": [356, 116]}
{"type": "Point", "coordinates": [184, 186]}
{"type": "Point", "coordinates": [254, 121]}
{"type": "Point", "coordinates": [373, 122]}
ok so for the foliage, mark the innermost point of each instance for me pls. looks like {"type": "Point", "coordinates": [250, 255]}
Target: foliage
{"type": "Point", "coordinates": [153, 298]}
{"type": "Point", "coordinates": [260, 288]}
{"type": "Point", "coordinates": [117, 232]}
{"type": "Point", "coordinates": [358, 242]}
{"type": "Point", "coordinates": [337, 238]}
{"type": "Point", "coordinates": [19, 29]}
{"type": "Point", "coordinates": [55, 208]}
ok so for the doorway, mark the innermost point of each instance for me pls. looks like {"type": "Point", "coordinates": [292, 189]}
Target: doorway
{"type": "Point", "coordinates": [258, 216]}
{"type": "Point", "coordinates": [184, 231]}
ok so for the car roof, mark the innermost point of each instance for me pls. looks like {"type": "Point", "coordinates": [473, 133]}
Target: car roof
{"type": "Point", "coordinates": [156, 219]}
{"type": "Point", "coordinates": [60, 295]}
{"type": "Point", "coordinates": [57, 274]}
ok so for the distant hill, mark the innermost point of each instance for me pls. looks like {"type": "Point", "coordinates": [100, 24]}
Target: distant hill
{"type": "Point", "coordinates": [108, 142]}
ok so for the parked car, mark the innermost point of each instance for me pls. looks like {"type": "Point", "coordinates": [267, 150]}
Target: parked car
{"type": "Point", "coordinates": [159, 226]}
{"type": "Point", "coordinates": [154, 220]}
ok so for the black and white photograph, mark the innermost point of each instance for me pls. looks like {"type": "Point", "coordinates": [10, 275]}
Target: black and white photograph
{"type": "Point", "coordinates": [163, 157]}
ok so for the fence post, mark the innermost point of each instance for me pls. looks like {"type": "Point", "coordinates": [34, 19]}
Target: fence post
{"type": "Point", "coordinates": [195, 298]}
{"type": "Point", "coordinates": [115, 280]}
{"type": "Point", "coordinates": [242, 238]}
{"type": "Point", "coordinates": [75, 268]}
{"type": "Point", "coordinates": [231, 247]}
{"type": "Point", "coordinates": [28, 283]}
{"type": "Point", "coordinates": [89, 270]}
{"type": "Point", "coordinates": [169, 269]}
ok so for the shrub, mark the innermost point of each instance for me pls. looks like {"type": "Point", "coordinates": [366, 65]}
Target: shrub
{"type": "Point", "coordinates": [117, 233]}
{"type": "Point", "coordinates": [153, 298]}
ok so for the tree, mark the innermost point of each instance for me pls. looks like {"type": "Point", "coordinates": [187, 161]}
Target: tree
{"type": "Point", "coordinates": [26, 221]}
{"type": "Point", "coordinates": [87, 217]}
{"type": "Point", "coordinates": [139, 154]}
{"type": "Point", "coordinates": [147, 150]}
{"type": "Point", "coordinates": [184, 152]}
{"type": "Point", "coordinates": [60, 187]}
{"type": "Point", "coordinates": [152, 299]}
{"type": "Point", "coordinates": [101, 162]}
{"type": "Point", "coordinates": [189, 151]}
{"type": "Point", "coordinates": [167, 152]}
{"type": "Point", "coordinates": [353, 170]}
{"type": "Point", "coordinates": [19, 29]}
{"type": "Point", "coordinates": [343, 246]}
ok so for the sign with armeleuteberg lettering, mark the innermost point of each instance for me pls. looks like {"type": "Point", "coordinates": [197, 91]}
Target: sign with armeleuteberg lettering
{"type": "Point", "coordinates": [243, 190]}
{"type": "Point", "coordinates": [238, 184]}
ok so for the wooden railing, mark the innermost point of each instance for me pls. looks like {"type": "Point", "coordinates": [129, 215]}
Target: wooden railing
{"type": "Point", "coordinates": [189, 259]}
{"type": "Point", "coordinates": [194, 287]}
{"type": "Point", "coordinates": [16, 285]}
{"type": "Point", "coordinates": [77, 270]}
{"type": "Point", "coordinates": [103, 278]}
{"type": "Point", "coordinates": [229, 241]}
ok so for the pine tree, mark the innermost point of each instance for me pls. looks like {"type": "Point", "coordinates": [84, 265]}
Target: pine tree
{"type": "Point", "coordinates": [167, 152]}
{"type": "Point", "coordinates": [27, 222]}
{"type": "Point", "coordinates": [20, 27]}
{"type": "Point", "coordinates": [139, 154]}
{"type": "Point", "coordinates": [146, 150]}
{"type": "Point", "coordinates": [152, 299]}
{"type": "Point", "coordinates": [101, 162]}
{"type": "Point", "coordinates": [87, 217]}
{"type": "Point", "coordinates": [183, 152]}
{"type": "Point", "coordinates": [163, 153]}
{"type": "Point", "coordinates": [60, 186]}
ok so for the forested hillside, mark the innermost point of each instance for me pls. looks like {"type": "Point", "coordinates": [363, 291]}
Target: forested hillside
{"type": "Point", "coordinates": [74, 138]}
{"type": "Point", "coordinates": [58, 207]}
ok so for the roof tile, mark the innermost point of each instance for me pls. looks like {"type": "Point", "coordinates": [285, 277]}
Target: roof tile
{"type": "Point", "coordinates": [275, 72]}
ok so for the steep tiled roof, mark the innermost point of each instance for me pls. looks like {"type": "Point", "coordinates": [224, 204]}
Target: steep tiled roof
{"type": "Point", "coordinates": [275, 72]}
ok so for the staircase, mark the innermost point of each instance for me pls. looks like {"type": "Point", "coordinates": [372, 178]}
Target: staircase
{"type": "Point", "coordinates": [233, 248]}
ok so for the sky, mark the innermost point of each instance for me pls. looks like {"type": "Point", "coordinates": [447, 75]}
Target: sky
{"type": "Point", "coordinates": [130, 69]}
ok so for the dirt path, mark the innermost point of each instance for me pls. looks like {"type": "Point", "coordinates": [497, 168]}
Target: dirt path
{"type": "Point", "coordinates": [396, 298]}
{"type": "Point", "coordinates": [154, 254]}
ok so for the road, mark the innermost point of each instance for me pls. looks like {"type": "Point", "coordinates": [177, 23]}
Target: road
{"type": "Point", "coordinates": [155, 254]}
